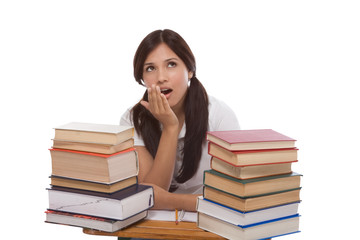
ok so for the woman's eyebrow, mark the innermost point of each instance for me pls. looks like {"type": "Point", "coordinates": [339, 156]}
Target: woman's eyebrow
{"type": "Point", "coordinates": [171, 59]}
{"type": "Point", "coordinates": [166, 60]}
{"type": "Point", "coordinates": [149, 63]}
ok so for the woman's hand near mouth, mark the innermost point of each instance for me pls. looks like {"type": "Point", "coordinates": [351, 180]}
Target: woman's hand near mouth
{"type": "Point", "coordinates": [160, 108]}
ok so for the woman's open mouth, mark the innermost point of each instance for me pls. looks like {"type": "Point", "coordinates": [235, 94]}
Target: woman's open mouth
{"type": "Point", "coordinates": [166, 92]}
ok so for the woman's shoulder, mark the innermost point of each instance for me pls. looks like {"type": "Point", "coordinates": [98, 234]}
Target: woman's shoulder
{"type": "Point", "coordinates": [221, 116]}
{"type": "Point", "coordinates": [126, 118]}
{"type": "Point", "coordinates": [216, 105]}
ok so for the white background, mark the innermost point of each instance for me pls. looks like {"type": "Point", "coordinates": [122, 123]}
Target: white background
{"type": "Point", "coordinates": [292, 66]}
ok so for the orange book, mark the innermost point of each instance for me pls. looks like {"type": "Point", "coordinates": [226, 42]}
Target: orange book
{"type": "Point", "coordinates": [96, 167]}
{"type": "Point", "coordinates": [253, 157]}
{"type": "Point", "coordinates": [250, 171]}
{"type": "Point", "coordinates": [93, 147]}
{"type": "Point", "coordinates": [93, 186]}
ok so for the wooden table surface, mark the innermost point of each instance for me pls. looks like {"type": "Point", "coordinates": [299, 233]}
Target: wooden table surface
{"type": "Point", "coordinates": [159, 230]}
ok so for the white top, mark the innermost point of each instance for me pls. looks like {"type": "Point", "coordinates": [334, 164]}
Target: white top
{"type": "Point", "coordinates": [221, 118]}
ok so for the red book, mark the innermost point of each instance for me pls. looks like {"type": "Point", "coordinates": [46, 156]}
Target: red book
{"type": "Point", "coordinates": [250, 171]}
{"type": "Point", "coordinates": [86, 221]}
{"type": "Point", "coordinates": [257, 139]}
{"type": "Point", "coordinates": [94, 167]}
{"type": "Point", "coordinates": [253, 157]}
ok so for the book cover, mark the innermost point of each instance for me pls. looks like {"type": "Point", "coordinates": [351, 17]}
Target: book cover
{"type": "Point", "coordinates": [86, 221]}
{"type": "Point", "coordinates": [251, 203]}
{"type": "Point", "coordinates": [250, 139]}
{"type": "Point", "coordinates": [92, 153]}
{"type": "Point", "coordinates": [250, 171]}
{"type": "Point", "coordinates": [93, 147]}
{"type": "Point", "coordinates": [253, 180]}
{"type": "Point", "coordinates": [270, 229]}
{"type": "Point", "coordinates": [253, 186]}
{"type": "Point", "coordinates": [119, 205]}
{"type": "Point", "coordinates": [93, 186]}
{"type": "Point", "coordinates": [244, 219]}
{"type": "Point", "coordinates": [93, 127]}
{"type": "Point", "coordinates": [94, 133]}
{"type": "Point", "coordinates": [170, 215]}
{"type": "Point", "coordinates": [253, 157]}
{"type": "Point", "coordinates": [106, 168]}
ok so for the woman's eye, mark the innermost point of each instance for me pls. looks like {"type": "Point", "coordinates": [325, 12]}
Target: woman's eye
{"type": "Point", "coordinates": [149, 69]}
{"type": "Point", "coordinates": [171, 64]}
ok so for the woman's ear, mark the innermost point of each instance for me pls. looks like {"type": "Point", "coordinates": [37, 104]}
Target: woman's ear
{"type": "Point", "coordinates": [190, 75]}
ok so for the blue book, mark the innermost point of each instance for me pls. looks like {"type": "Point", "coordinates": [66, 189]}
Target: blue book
{"type": "Point", "coordinates": [245, 219]}
{"type": "Point", "coordinates": [264, 230]}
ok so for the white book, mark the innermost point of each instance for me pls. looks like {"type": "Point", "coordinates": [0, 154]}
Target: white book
{"type": "Point", "coordinates": [243, 219]}
{"type": "Point", "coordinates": [119, 205]}
{"type": "Point", "coordinates": [266, 230]}
{"type": "Point", "coordinates": [169, 215]}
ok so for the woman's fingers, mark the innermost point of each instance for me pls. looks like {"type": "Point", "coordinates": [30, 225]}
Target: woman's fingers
{"type": "Point", "coordinates": [155, 100]}
{"type": "Point", "coordinates": [159, 106]}
{"type": "Point", "coordinates": [165, 103]}
{"type": "Point", "coordinates": [158, 99]}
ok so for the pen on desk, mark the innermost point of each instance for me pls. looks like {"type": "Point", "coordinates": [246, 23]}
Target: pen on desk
{"type": "Point", "coordinates": [176, 217]}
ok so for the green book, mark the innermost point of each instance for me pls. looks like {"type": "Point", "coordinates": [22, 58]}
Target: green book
{"type": "Point", "coordinates": [252, 187]}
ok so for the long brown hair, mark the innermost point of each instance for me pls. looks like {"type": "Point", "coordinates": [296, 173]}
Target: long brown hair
{"type": "Point", "coordinates": [196, 104]}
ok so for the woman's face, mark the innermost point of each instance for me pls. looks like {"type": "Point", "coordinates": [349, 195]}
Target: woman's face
{"type": "Point", "coordinates": [165, 69]}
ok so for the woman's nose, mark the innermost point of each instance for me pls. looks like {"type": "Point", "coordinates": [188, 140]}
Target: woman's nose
{"type": "Point", "coordinates": [162, 75]}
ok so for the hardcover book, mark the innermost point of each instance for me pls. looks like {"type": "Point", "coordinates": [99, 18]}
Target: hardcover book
{"type": "Point", "coordinates": [93, 133]}
{"type": "Point", "coordinates": [236, 140]}
{"type": "Point", "coordinates": [105, 168]}
{"type": "Point", "coordinates": [120, 205]}
{"type": "Point", "coordinates": [251, 171]}
{"type": "Point", "coordinates": [244, 219]}
{"type": "Point", "coordinates": [270, 229]}
{"type": "Point", "coordinates": [86, 221]}
{"type": "Point", "coordinates": [94, 147]}
{"type": "Point", "coordinates": [251, 187]}
{"type": "Point", "coordinates": [251, 203]}
{"type": "Point", "coordinates": [93, 186]}
{"type": "Point", "coordinates": [253, 157]}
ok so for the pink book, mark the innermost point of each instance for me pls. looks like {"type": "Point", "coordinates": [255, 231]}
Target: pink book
{"type": "Point", "coordinates": [235, 140]}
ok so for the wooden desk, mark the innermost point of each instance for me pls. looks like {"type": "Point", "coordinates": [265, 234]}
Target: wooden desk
{"type": "Point", "coordinates": [160, 230]}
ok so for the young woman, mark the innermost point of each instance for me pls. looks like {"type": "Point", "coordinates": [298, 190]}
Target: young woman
{"type": "Point", "coordinates": [172, 119]}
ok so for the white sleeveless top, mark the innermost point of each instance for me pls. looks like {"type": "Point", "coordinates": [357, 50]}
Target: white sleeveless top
{"type": "Point", "coordinates": [221, 118]}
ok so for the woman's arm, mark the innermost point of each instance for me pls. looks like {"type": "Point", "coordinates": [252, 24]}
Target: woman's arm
{"type": "Point", "coordinates": [159, 171]}
{"type": "Point", "coordinates": [163, 198]}
{"type": "Point", "coordinates": [171, 201]}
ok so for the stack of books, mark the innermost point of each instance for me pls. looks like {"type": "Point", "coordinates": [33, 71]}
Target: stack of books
{"type": "Point", "coordinates": [94, 178]}
{"type": "Point", "coordinates": [250, 191]}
